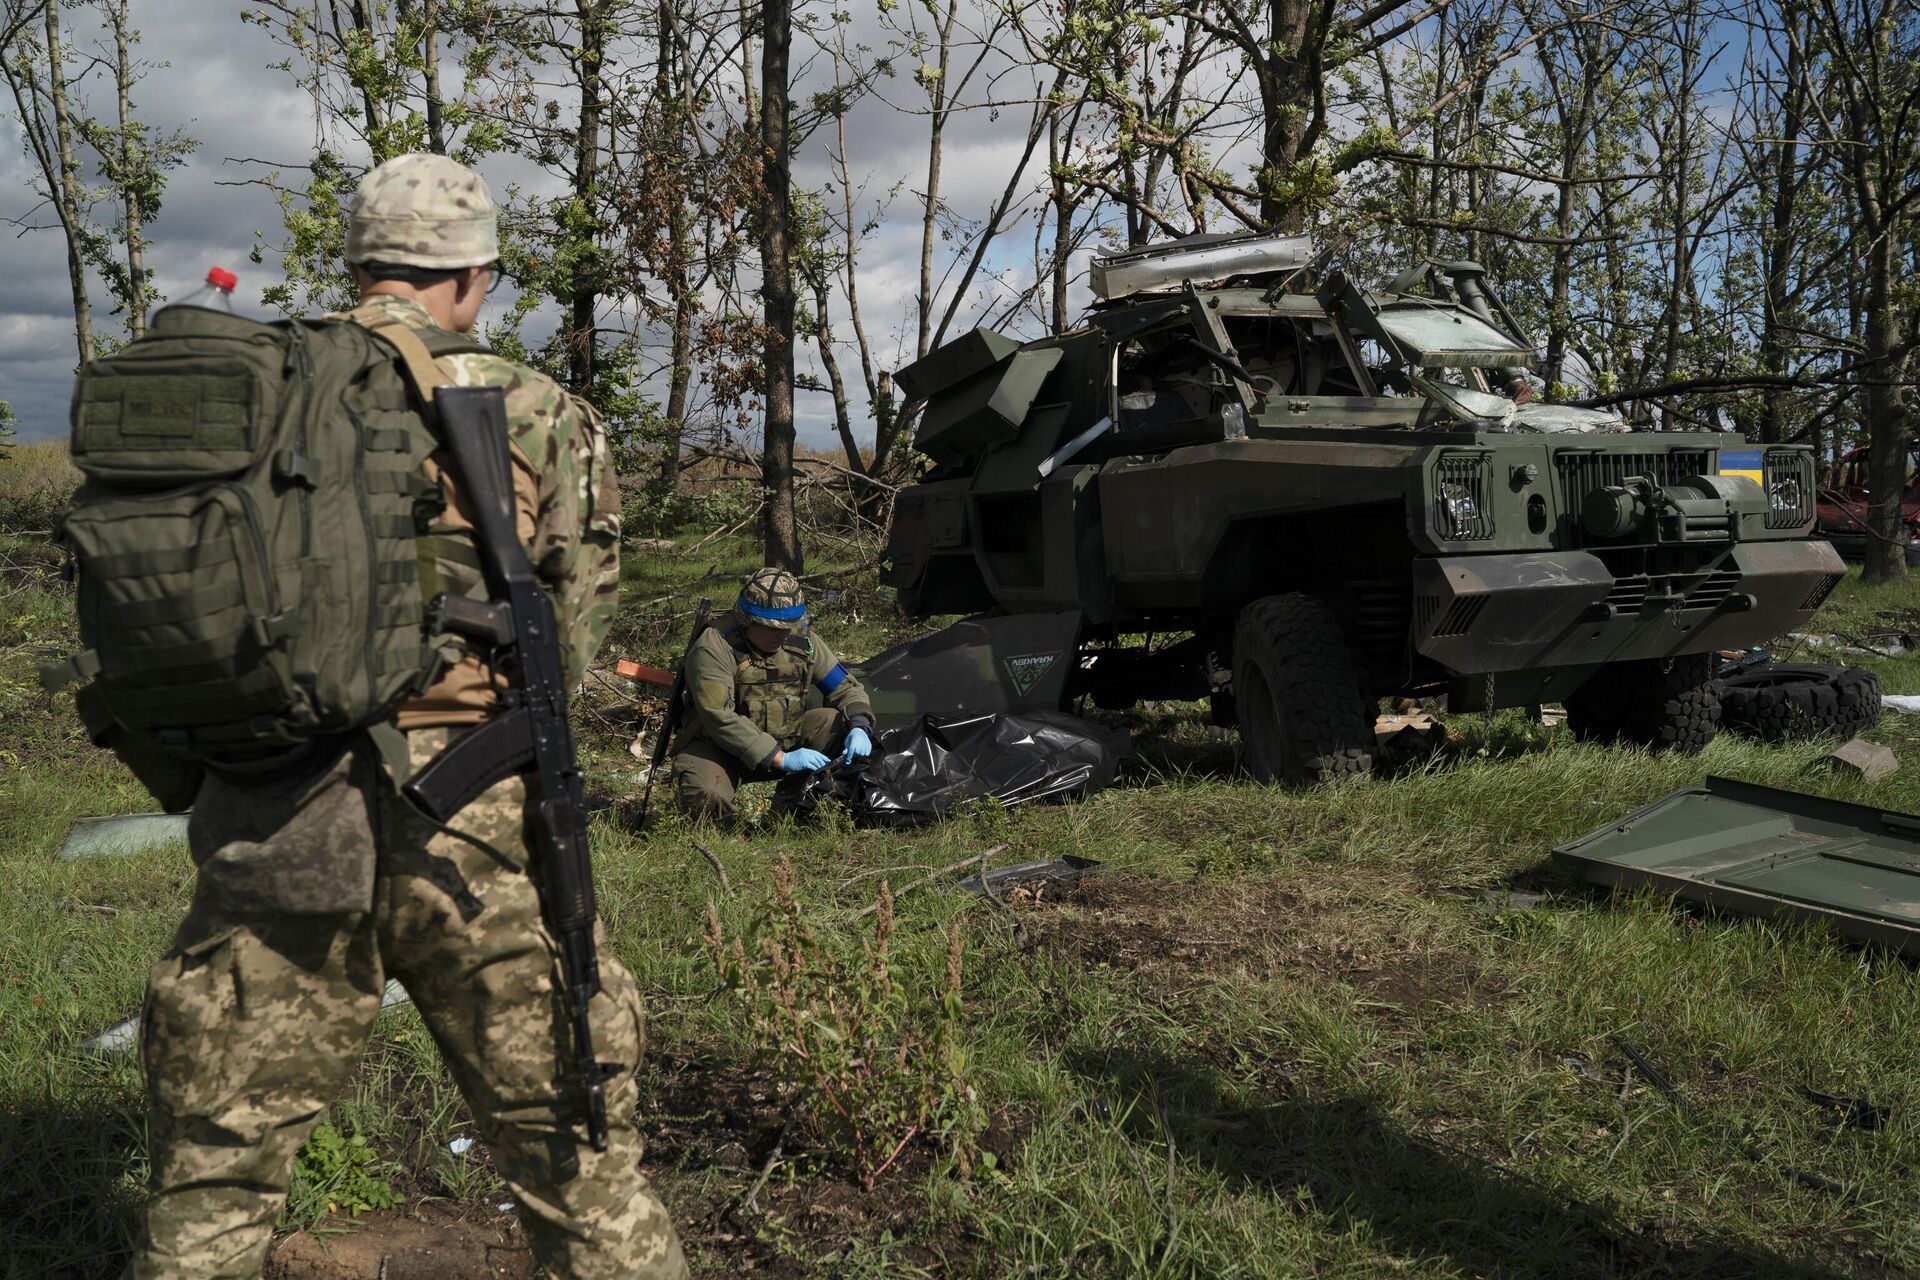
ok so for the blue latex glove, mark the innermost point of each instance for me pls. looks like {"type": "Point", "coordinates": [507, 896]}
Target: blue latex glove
{"type": "Point", "coordinates": [802, 760]}
{"type": "Point", "coordinates": [859, 745]}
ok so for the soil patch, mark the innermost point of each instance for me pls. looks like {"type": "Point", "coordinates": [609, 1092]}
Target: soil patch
{"type": "Point", "coordinates": [711, 1125]}
{"type": "Point", "coordinates": [433, 1241]}
{"type": "Point", "coordinates": [1245, 928]}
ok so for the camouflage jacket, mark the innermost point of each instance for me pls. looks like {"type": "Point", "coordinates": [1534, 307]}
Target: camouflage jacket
{"type": "Point", "coordinates": [749, 703]}
{"type": "Point", "coordinates": [568, 505]}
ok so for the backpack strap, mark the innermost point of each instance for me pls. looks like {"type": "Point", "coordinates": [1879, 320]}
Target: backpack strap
{"type": "Point", "coordinates": [417, 354]}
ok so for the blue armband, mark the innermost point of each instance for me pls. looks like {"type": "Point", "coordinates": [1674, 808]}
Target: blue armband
{"type": "Point", "coordinates": [833, 679]}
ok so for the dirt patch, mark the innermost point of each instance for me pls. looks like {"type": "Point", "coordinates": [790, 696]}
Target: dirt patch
{"type": "Point", "coordinates": [1129, 922]}
{"type": "Point", "coordinates": [429, 1242]}
{"type": "Point", "coordinates": [711, 1126]}
{"type": "Point", "coordinates": [1245, 928]}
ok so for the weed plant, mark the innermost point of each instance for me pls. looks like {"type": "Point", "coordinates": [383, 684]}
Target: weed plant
{"type": "Point", "coordinates": [866, 1065]}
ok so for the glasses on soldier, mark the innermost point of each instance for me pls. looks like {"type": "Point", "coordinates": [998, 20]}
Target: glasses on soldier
{"type": "Point", "coordinates": [499, 276]}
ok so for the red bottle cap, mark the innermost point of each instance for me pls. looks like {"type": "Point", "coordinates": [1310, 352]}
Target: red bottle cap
{"type": "Point", "coordinates": [221, 278]}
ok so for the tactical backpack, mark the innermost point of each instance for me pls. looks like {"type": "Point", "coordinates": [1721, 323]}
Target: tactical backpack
{"type": "Point", "coordinates": [245, 543]}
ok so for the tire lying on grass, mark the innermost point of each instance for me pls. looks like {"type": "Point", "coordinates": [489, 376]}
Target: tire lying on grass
{"type": "Point", "coordinates": [1664, 705]}
{"type": "Point", "coordinates": [1303, 711]}
{"type": "Point", "coordinates": [1789, 700]}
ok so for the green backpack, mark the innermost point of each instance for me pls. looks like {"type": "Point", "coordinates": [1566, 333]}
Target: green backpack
{"type": "Point", "coordinates": [248, 574]}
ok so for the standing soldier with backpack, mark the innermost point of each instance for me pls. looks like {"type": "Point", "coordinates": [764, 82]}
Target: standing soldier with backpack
{"type": "Point", "coordinates": [317, 879]}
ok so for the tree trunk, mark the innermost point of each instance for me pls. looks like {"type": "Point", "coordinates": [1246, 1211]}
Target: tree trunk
{"type": "Point", "coordinates": [67, 191]}
{"type": "Point", "coordinates": [780, 524]}
{"type": "Point", "coordinates": [1780, 246]}
{"type": "Point", "coordinates": [1289, 75]}
{"type": "Point", "coordinates": [1887, 428]}
{"type": "Point", "coordinates": [836, 381]}
{"type": "Point", "coordinates": [929, 219]}
{"type": "Point", "coordinates": [135, 231]}
{"type": "Point", "coordinates": [430, 61]}
{"type": "Point", "coordinates": [680, 371]}
{"type": "Point", "coordinates": [584, 306]}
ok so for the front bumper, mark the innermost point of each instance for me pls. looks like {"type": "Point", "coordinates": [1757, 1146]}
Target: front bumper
{"type": "Point", "coordinates": [1529, 611]}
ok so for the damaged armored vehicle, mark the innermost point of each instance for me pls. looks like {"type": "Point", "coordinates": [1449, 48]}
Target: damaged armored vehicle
{"type": "Point", "coordinates": [1248, 479]}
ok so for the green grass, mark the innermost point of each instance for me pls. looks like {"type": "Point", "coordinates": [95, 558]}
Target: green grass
{"type": "Point", "coordinates": [1283, 1035]}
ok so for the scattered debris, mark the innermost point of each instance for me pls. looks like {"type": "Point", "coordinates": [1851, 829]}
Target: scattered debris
{"type": "Point", "coordinates": [1746, 1140]}
{"type": "Point", "coordinates": [1867, 761]}
{"type": "Point", "coordinates": [1854, 1111]}
{"type": "Point", "coordinates": [123, 1035]}
{"type": "Point", "coordinates": [1890, 644]}
{"type": "Point", "coordinates": [1581, 1065]}
{"type": "Point", "coordinates": [116, 835]}
{"type": "Point", "coordinates": [1494, 901]}
{"type": "Point", "coordinates": [1062, 870]}
{"type": "Point", "coordinates": [460, 1146]}
{"type": "Point", "coordinates": [1756, 851]}
{"type": "Point", "coordinates": [1407, 739]}
{"type": "Point", "coordinates": [1905, 703]}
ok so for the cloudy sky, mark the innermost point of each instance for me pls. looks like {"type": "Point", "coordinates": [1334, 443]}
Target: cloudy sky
{"type": "Point", "coordinates": [212, 80]}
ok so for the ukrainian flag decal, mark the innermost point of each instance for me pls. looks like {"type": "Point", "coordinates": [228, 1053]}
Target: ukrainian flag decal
{"type": "Point", "coordinates": [1742, 462]}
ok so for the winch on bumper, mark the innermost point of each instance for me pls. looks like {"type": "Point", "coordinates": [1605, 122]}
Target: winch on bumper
{"type": "Point", "coordinates": [1550, 617]}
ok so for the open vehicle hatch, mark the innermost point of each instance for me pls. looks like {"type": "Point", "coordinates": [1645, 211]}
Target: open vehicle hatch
{"type": "Point", "coordinates": [1755, 851]}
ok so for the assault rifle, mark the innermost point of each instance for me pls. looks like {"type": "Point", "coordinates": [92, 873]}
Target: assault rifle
{"type": "Point", "coordinates": [529, 732]}
{"type": "Point", "coordinates": [670, 719]}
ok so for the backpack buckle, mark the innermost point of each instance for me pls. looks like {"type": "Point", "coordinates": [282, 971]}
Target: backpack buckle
{"type": "Point", "coordinates": [55, 676]}
{"type": "Point", "coordinates": [296, 468]}
{"type": "Point", "coordinates": [268, 632]}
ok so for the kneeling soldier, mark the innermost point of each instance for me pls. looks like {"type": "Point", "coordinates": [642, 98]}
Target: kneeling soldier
{"type": "Point", "coordinates": [746, 718]}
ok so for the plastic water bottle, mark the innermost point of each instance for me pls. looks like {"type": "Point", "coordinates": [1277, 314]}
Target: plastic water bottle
{"type": "Point", "coordinates": [216, 294]}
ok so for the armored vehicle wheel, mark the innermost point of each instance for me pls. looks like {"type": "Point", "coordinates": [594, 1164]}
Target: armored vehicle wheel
{"type": "Point", "coordinates": [1650, 704]}
{"type": "Point", "coordinates": [1304, 715]}
{"type": "Point", "coordinates": [1799, 700]}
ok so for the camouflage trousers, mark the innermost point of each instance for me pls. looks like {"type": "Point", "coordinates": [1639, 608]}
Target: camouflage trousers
{"type": "Point", "coordinates": [312, 892]}
{"type": "Point", "coordinates": [706, 777]}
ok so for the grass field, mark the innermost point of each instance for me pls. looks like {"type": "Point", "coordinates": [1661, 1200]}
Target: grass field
{"type": "Point", "coordinates": [1282, 1034]}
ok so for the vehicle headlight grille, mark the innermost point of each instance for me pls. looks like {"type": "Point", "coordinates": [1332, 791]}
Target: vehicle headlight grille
{"type": "Point", "coordinates": [1463, 483]}
{"type": "Point", "coordinates": [1787, 476]}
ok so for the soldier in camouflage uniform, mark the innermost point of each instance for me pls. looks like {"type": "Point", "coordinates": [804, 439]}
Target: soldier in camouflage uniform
{"type": "Point", "coordinates": [316, 887]}
{"type": "Point", "coordinates": [748, 684]}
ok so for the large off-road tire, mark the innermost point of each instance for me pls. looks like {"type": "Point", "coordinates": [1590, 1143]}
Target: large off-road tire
{"type": "Point", "coordinates": [1784, 701]}
{"type": "Point", "coordinates": [1303, 711]}
{"type": "Point", "coordinates": [1664, 706]}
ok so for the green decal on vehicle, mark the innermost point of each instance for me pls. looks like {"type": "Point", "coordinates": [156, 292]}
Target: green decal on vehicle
{"type": "Point", "coordinates": [1025, 671]}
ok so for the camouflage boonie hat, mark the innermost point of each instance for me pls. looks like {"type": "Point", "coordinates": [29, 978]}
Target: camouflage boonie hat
{"type": "Point", "coordinates": [423, 211]}
{"type": "Point", "coordinates": [772, 598]}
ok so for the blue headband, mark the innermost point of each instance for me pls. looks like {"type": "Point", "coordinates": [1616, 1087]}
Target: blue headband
{"type": "Point", "coordinates": [792, 613]}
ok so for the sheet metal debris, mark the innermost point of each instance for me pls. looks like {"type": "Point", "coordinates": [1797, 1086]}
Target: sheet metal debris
{"type": "Point", "coordinates": [1867, 761]}
{"type": "Point", "coordinates": [1756, 851]}
{"type": "Point", "coordinates": [116, 835]}
{"type": "Point", "coordinates": [1062, 870]}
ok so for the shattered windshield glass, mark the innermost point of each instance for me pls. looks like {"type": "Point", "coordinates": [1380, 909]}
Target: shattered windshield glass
{"type": "Point", "coordinates": [1447, 337]}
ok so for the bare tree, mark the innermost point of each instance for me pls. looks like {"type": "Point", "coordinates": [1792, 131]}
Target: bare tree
{"type": "Point", "coordinates": [779, 526]}
{"type": "Point", "coordinates": [38, 80]}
